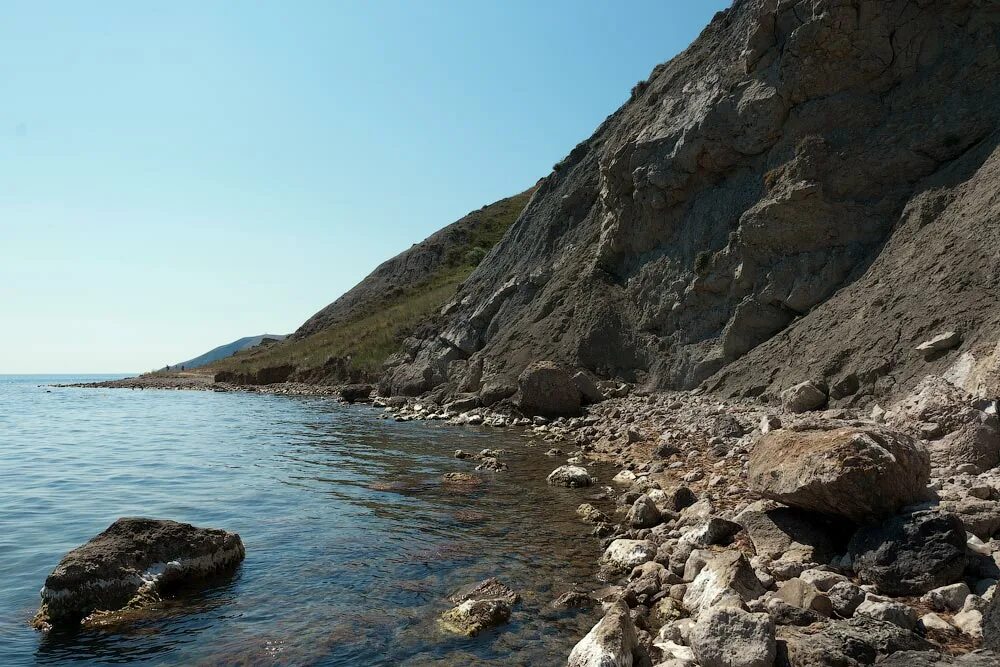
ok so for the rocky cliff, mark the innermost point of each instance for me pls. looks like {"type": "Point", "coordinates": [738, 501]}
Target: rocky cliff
{"type": "Point", "coordinates": [807, 192]}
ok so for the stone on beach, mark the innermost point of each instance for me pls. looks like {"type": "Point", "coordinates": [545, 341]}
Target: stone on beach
{"type": "Point", "coordinates": [130, 565]}
{"type": "Point", "coordinates": [613, 642]}
{"type": "Point", "coordinates": [856, 473]}
{"type": "Point", "coordinates": [910, 554]}
{"type": "Point", "coordinates": [546, 389]}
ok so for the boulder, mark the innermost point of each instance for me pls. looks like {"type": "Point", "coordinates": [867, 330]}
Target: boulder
{"type": "Point", "coordinates": [845, 598]}
{"type": "Point", "coordinates": [947, 598]}
{"type": "Point", "coordinates": [891, 612]}
{"type": "Point", "coordinates": [857, 642]}
{"type": "Point", "coordinates": [802, 594]}
{"type": "Point", "coordinates": [803, 397]}
{"type": "Point", "coordinates": [548, 390]}
{"type": "Point", "coordinates": [130, 565]}
{"type": "Point", "coordinates": [775, 530]}
{"type": "Point", "coordinates": [488, 589]}
{"type": "Point", "coordinates": [571, 476]}
{"type": "Point", "coordinates": [613, 642]}
{"type": "Point", "coordinates": [643, 513]}
{"type": "Point", "coordinates": [732, 637]}
{"type": "Point", "coordinates": [851, 472]}
{"type": "Point", "coordinates": [623, 554]}
{"type": "Point", "coordinates": [353, 393]}
{"type": "Point", "coordinates": [479, 607]}
{"type": "Point", "coordinates": [719, 578]}
{"type": "Point", "coordinates": [910, 554]}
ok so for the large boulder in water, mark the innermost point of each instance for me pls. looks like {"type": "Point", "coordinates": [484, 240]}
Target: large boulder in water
{"type": "Point", "coordinates": [856, 473]}
{"type": "Point", "coordinates": [910, 554]}
{"type": "Point", "coordinates": [546, 389]}
{"type": "Point", "coordinates": [130, 565]}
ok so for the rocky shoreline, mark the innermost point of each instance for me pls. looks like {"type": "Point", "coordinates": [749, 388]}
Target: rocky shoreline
{"type": "Point", "coordinates": [751, 534]}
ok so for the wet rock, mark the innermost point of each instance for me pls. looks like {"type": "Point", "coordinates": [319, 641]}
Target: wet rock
{"type": "Point", "coordinates": [573, 600]}
{"type": "Point", "coordinates": [732, 637]}
{"type": "Point", "coordinates": [130, 565]}
{"type": "Point", "coordinates": [803, 397]}
{"type": "Point", "coordinates": [856, 473]}
{"type": "Point", "coordinates": [570, 476]}
{"type": "Point", "coordinates": [473, 616]}
{"type": "Point", "coordinates": [488, 589]}
{"type": "Point", "coordinates": [612, 642]}
{"type": "Point", "coordinates": [910, 554]}
{"type": "Point", "coordinates": [591, 514]}
{"type": "Point", "coordinates": [479, 607]}
{"type": "Point", "coordinates": [548, 390]}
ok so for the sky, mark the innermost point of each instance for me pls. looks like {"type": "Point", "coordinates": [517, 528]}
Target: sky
{"type": "Point", "coordinates": [177, 175]}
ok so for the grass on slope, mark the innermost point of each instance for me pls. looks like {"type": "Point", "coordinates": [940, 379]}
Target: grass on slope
{"type": "Point", "coordinates": [379, 329]}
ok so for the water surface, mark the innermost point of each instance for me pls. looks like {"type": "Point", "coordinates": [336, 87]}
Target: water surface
{"type": "Point", "coordinates": [352, 540]}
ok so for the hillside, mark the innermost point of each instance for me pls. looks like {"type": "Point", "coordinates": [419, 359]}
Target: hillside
{"type": "Point", "coordinates": [349, 339]}
{"type": "Point", "coordinates": [227, 350]}
{"type": "Point", "coordinates": [807, 192]}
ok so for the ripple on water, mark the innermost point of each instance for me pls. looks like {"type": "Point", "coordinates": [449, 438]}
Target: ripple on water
{"type": "Point", "coordinates": [353, 538]}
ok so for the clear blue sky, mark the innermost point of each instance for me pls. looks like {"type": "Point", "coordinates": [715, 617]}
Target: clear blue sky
{"type": "Point", "coordinates": [176, 175]}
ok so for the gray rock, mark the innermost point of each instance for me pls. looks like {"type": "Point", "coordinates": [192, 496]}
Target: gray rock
{"type": "Point", "coordinates": [473, 616]}
{"type": "Point", "coordinates": [643, 513]}
{"type": "Point", "coordinates": [354, 393]}
{"type": "Point", "coordinates": [571, 476]}
{"type": "Point", "coordinates": [946, 341]}
{"type": "Point", "coordinates": [775, 530]}
{"type": "Point", "coordinates": [891, 612]}
{"type": "Point", "coordinates": [732, 637]}
{"type": "Point", "coordinates": [589, 391]}
{"type": "Point", "coordinates": [547, 389]}
{"type": "Point", "coordinates": [624, 554]}
{"type": "Point", "coordinates": [845, 598]}
{"type": "Point", "coordinates": [612, 642]}
{"type": "Point", "coordinates": [803, 397]}
{"type": "Point", "coordinates": [910, 554]}
{"type": "Point", "coordinates": [719, 578]}
{"type": "Point", "coordinates": [856, 473]}
{"type": "Point", "coordinates": [130, 564]}
{"type": "Point", "coordinates": [947, 598]}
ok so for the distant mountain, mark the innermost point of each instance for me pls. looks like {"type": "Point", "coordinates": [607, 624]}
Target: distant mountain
{"type": "Point", "coordinates": [227, 350]}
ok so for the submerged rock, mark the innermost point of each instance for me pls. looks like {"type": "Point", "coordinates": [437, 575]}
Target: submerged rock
{"type": "Point", "coordinates": [479, 607]}
{"type": "Point", "coordinates": [130, 565]}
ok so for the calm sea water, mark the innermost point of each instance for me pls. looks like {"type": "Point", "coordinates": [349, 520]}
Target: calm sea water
{"type": "Point", "coordinates": [336, 573]}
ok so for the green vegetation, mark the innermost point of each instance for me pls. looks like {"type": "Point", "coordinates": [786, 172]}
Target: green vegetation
{"type": "Point", "coordinates": [378, 329]}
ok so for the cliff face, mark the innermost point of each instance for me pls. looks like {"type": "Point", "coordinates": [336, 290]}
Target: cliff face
{"type": "Point", "coordinates": [808, 191]}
